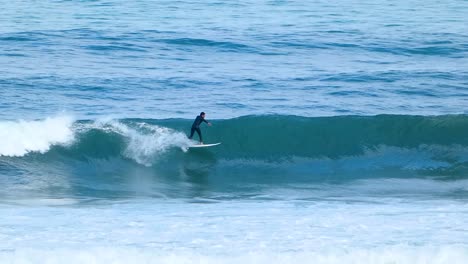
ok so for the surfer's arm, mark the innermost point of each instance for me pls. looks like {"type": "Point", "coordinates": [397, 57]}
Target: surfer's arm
{"type": "Point", "coordinates": [206, 121]}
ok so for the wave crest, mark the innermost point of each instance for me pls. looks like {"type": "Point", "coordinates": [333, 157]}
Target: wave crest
{"type": "Point", "coordinates": [22, 137]}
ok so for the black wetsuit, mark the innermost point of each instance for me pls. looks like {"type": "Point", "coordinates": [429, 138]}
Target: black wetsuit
{"type": "Point", "coordinates": [196, 127]}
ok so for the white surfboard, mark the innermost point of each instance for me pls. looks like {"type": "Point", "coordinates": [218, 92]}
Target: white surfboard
{"type": "Point", "coordinates": [205, 145]}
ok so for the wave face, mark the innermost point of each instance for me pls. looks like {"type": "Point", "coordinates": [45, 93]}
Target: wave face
{"type": "Point", "coordinates": [100, 158]}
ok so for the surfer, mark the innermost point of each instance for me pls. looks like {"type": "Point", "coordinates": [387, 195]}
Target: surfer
{"type": "Point", "coordinates": [196, 126]}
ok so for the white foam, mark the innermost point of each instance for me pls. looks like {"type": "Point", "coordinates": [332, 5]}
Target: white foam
{"type": "Point", "coordinates": [148, 231]}
{"type": "Point", "coordinates": [400, 254]}
{"type": "Point", "coordinates": [21, 137]}
{"type": "Point", "coordinates": [42, 201]}
{"type": "Point", "coordinates": [148, 142]}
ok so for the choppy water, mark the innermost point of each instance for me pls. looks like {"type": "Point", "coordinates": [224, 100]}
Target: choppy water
{"type": "Point", "coordinates": [147, 58]}
{"type": "Point", "coordinates": [343, 127]}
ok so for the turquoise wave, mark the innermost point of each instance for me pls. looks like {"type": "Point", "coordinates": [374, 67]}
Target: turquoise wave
{"type": "Point", "coordinates": [263, 137]}
{"type": "Point", "coordinates": [257, 152]}
{"type": "Point", "coordinates": [279, 138]}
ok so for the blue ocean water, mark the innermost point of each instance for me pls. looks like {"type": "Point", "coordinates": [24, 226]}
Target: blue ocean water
{"type": "Point", "coordinates": [146, 58]}
{"type": "Point", "coordinates": [343, 127]}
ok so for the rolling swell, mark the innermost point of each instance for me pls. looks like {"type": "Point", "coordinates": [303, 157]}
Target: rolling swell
{"type": "Point", "coordinates": [267, 138]}
{"type": "Point", "coordinates": [109, 158]}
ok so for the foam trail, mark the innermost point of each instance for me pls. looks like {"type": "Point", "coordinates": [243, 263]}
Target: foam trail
{"type": "Point", "coordinates": [21, 137]}
{"type": "Point", "coordinates": [147, 142]}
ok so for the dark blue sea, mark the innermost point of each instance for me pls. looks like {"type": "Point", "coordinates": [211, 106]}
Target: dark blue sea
{"type": "Point", "coordinates": [343, 129]}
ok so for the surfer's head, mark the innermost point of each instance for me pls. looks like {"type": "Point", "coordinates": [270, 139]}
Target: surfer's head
{"type": "Point", "coordinates": [202, 114]}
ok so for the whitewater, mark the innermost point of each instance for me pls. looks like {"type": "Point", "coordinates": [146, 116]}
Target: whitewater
{"type": "Point", "coordinates": [343, 127]}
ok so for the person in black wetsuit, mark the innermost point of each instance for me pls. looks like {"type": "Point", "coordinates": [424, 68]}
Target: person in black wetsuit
{"type": "Point", "coordinates": [196, 126]}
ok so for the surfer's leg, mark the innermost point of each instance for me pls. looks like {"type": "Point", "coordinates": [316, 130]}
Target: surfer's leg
{"type": "Point", "coordinates": [191, 132]}
{"type": "Point", "coordinates": [199, 134]}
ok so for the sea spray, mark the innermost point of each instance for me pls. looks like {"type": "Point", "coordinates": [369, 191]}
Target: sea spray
{"type": "Point", "coordinates": [21, 137]}
{"type": "Point", "coordinates": [146, 142]}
